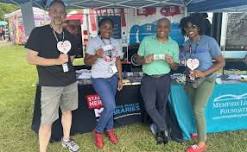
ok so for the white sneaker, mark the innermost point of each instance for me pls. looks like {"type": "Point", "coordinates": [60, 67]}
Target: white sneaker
{"type": "Point", "coordinates": [70, 145]}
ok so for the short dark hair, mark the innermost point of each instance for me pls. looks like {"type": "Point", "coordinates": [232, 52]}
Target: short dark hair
{"type": "Point", "coordinates": [194, 20]}
{"type": "Point", "coordinates": [56, 2]}
{"type": "Point", "coordinates": [106, 20]}
{"type": "Point", "coordinates": [164, 19]}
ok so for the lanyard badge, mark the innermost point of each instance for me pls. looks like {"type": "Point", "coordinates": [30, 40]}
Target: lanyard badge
{"type": "Point", "coordinates": [192, 63]}
{"type": "Point", "coordinates": [64, 47]}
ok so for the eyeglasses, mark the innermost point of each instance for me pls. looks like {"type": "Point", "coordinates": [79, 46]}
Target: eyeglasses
{"type": "Point", "coordinates": [191, 27]}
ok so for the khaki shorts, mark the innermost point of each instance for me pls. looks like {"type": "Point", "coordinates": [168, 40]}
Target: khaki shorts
{"type": "Point", "coordinates": [54, 97]}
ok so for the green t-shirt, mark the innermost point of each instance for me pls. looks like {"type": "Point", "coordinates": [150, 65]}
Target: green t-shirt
{"type": "Point", "coordinates": [151, 45]}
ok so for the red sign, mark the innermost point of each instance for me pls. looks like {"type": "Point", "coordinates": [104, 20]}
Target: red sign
{"type": "Point", "coordinates": [94, 101]}
{"type": "Point", "coordinates": [146, 11]}
{"type": "Point", "coordinates": [170, 10]}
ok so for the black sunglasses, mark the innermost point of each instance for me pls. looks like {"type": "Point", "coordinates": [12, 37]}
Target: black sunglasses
{"type": "Point", "coordinates": [191, 27]}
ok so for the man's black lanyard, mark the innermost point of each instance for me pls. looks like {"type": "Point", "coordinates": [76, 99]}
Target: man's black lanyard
{"type": "Point", "coordinates": [56, 37]}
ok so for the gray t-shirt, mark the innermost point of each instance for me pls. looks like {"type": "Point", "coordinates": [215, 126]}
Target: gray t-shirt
{"type": "Point", "coordinates": [103, 67]}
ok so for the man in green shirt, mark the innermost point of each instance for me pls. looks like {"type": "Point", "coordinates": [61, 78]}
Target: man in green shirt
{"type": "Point", "coordinates": [158, 55]}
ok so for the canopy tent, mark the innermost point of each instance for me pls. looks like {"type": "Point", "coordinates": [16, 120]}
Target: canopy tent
{"type": "Point", "coordinates": [189, 5]}
{"type": "Point", "coordinates": [75, 15]}
{"type": "Point", "coordinates": [218, 6]}
{"type": "Point", "coordinates": [192, 5]}
{"type": "Point", "coordinates": [16, 25]}
{"type": "Point", "coordinates": [103, 3]}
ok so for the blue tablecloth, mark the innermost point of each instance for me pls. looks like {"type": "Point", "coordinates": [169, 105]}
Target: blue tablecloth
{"type": "Point", "coordinates": [226, 109]}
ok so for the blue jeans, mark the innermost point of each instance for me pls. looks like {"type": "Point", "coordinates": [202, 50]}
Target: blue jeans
{"type": "Point", "coordinates": [106, 89]}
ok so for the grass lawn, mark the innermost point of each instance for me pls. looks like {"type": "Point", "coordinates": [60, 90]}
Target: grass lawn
{"type": "Point", "coordinates": [17, 88]}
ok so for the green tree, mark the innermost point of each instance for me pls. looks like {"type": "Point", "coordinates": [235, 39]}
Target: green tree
{"type": "Point", "coordinates": [6, 8]}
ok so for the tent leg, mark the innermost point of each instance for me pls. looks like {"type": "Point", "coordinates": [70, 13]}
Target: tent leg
{"type": "Point", "coordinates": [28, 17]}
{"type": "Point", "coordinates": [185, 11]}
